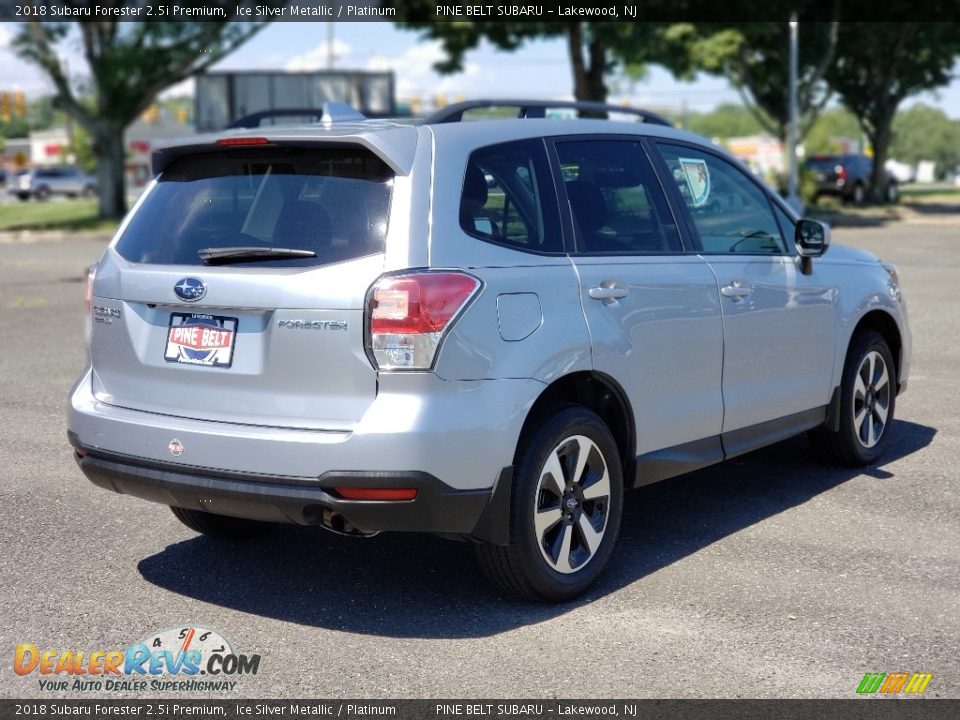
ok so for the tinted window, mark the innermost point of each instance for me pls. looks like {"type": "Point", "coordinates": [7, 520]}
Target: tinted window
{"type": "Point", "coordinates": [822, 163]}
{"type": "Point", "coordinates": [508, 197]}
{"type": "Point", "coordinates": [615, 202]}
{"type": "Point", "coordinates": [334, 202]}
{"type": "Point", "coordinates": [731, 213]}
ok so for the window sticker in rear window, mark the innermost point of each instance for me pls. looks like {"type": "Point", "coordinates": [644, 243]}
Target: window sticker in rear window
{"type": "Point", "coordinates": [697, 175]}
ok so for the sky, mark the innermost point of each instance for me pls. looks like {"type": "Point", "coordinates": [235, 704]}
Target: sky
{"type": "Point", "coordinates": [539, 69]}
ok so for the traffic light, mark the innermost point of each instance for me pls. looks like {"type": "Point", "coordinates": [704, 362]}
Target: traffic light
{"type": "Point", "coordinates": [183, 115]}
{"type": "Point", "coordinates": [151, 114]}
{"type": "Point", "coordinates": [4, 106]}
{"type": "Point", "coordinates": [19, 104]}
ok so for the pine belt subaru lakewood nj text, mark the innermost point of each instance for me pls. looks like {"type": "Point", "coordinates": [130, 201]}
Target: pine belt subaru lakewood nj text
{"type": "Point", "coordinates": [485, 330]}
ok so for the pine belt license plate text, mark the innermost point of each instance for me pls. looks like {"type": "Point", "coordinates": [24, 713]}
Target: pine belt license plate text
{"type": "Point", "coordinates": [198, 339]}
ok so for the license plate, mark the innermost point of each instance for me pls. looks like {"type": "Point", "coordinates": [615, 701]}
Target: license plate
{"type": "Point", "coordinates": [197, 339]}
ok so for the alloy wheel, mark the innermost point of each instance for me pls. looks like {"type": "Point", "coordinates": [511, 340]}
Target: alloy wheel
{"type": "Point", "coordinates": [572, 503]}
{"type": "Point", "coordinates": [871, 399]}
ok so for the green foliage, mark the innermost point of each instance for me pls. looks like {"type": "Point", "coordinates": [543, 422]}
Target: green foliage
{"type": "Point", "coordinates": [881, 64]}
{"type": "Point", "coordinates": [754, 57]}
{"type": "Point", "coordinates": [926, 133]}
{"type": "Point", "coordinates": [595, 48]}
{"type": "Point", "coordinates": [82, 150]}
{"type": "Point", "coordinates": [824, 137]}
{"type": "Point", "coordinates": [69, 215]}
{"type": "Point", "coordinates": [130, 63]}
{"type": "Point", "coordinates": [726, 121]}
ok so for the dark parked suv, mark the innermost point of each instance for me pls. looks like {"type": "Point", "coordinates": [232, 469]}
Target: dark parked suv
{"type": "Point", "coordinates": [848, 177]}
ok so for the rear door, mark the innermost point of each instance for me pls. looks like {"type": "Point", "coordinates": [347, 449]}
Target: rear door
{"type": "Point", "coordinates": [652, 310]}
{"type": "Point", "coordinates": [194, 319]}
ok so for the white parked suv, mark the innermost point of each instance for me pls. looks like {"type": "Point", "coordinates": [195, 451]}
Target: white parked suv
{"type": "Point", "coordinates": [485, 330]}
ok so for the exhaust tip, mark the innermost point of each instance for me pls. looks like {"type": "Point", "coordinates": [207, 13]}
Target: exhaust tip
{"type": "Point", "coordinates": [330, 519]}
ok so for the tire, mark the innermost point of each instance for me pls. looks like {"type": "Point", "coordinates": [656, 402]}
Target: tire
{"type": "Point", "coordinates": [560, 556]}
{"type": "Point", "coordinates": [892, 193]}
{"type": "Point", "coordinates": [89, 191]}
{"type": "Point", "coordinates": [867, 402]}
{"type": "Point", "coordinates": [220, 527]}
{"type": "Point", "coordinates": [858, 194]}
{"type": "Point", "coordinates": [42, 193]}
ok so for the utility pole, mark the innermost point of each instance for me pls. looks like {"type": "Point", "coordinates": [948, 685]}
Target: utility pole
{"type": "Point", "coordinates": [330, 57]}
{"type": "Point", "coordinates": [793, 199]}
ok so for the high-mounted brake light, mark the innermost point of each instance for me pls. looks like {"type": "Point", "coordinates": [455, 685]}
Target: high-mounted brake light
{"type": "Point", "coordinates": [231, 142]}
{"type": "Point", "coordinates": [408, 314]}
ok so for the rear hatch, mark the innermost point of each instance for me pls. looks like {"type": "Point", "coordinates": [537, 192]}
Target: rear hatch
{"type": "Point", "coordinates": [236, 291]}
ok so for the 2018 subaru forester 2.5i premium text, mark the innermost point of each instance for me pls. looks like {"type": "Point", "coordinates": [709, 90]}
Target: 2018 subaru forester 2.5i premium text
{"type": "Point", "coordinates": [486, 330]}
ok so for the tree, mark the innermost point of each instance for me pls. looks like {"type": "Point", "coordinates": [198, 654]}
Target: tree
{"type": "Point", "coordinates": [130, 63]}
{"type": "Point", "coordinates": [594, 47]}
{"type": "Point", "coordinates": [827, 134]}
{"type": "Point", "coordinates": [926, 133]}
{"type": "Point", "coordinates": [879, 65]}
{"type": "Point", "coordinates": [754, 57]}
{"type": "Point", "coordinates": [724, 121]}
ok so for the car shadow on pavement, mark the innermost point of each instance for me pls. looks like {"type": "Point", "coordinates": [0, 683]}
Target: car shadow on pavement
{"type": "Point", "coordinates": [407, 585]}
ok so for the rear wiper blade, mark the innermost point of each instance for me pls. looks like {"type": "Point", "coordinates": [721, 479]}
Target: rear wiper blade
{"type": "Point", "coordinates": [222, 255]}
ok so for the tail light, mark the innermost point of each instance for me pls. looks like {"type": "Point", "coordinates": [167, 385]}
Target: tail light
{"type": "Point", "coordinates": [841, 172]}
{"type": "Point", "coordinates": [408, 315]}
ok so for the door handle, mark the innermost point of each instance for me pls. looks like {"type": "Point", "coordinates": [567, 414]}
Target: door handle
{"type": "Point", "coordinates": [735, 290]}
{"type": "Point", "coordinates": [608, 290]}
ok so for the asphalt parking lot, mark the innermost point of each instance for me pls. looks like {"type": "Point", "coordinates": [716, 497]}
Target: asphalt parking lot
{"type": "Point", "coordinates": [770, 576]}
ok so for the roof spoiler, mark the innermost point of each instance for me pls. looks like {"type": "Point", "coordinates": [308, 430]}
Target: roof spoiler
{"type": "Point", "coordinates": [538, 109]}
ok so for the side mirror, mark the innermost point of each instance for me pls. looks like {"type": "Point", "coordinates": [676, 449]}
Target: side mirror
{"type": "Point", "coordinates": [812, 238]}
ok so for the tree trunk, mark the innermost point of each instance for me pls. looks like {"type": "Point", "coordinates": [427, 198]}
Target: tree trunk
{"type": "Point", "coordinates": [108, 148]}
{"type": "Point", "coordinates": [880, 140]}
{"type": "Point", "coordinates": [587, 72]}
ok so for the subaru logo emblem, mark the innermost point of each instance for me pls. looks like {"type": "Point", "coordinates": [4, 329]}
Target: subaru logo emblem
{"type": "Point", "coordinates": [190, 289]}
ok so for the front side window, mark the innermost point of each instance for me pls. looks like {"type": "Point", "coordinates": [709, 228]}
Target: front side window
{"type": "Point", "coordinates": [508, 197]}
{"type": "Point", "coordinates": [331, 202]}
{"type": "Point", "coordinates": [615, 201]}
{"type": "Point", "coordinates": [731, 214]}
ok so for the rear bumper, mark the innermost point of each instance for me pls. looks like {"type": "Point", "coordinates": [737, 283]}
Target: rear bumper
{"type": "Point", "coordinates": [460, 432]}
{"type": "Point", "coordinates": [438, 508]}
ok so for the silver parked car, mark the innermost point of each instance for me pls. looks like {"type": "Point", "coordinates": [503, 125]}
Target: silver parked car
{"type": "Point", "coordinates": [41, 183]}
{"type": "Point", "coordinates": [486, 330]}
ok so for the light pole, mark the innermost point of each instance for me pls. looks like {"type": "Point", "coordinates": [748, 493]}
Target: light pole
{"type": "Point", "coordinates": [330, 56]}
{"type": "Point", "coordinates": [793, 199]}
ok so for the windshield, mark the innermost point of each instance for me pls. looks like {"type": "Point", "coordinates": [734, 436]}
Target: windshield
{"type": "Point", "coordinates": [332, 202]}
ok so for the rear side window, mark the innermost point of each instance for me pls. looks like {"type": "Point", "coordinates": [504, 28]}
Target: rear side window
{"type": "Point", "coordinates": [508, 197]}
{"type": "Point", "coordinates": [332, 201]}
{"type": "Point", "coordinates": [615, 200]}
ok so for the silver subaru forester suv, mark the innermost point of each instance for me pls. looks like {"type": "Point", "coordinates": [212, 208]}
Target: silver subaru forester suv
{"type": "Point", "coordinates": [484, 330]}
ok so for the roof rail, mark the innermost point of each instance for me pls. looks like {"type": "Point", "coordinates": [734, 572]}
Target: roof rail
{"type": "Point", "coordinates": [538, 109]}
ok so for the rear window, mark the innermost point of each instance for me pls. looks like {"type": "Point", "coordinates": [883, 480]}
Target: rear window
{"type": "Point", "coordinates": [331, 201]}
{"type": "Point", "coordinates": [508, 197]}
